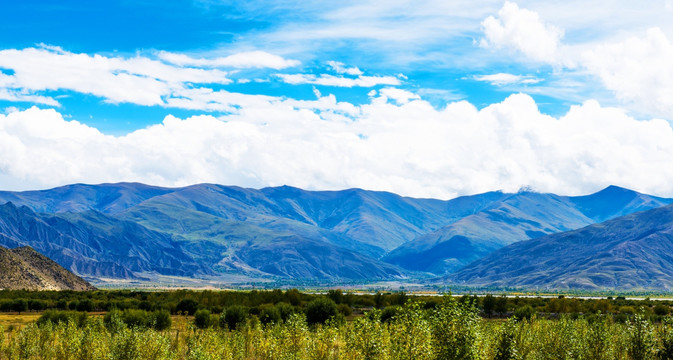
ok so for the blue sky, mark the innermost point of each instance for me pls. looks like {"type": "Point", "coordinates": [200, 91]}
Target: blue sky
{"type": "Point", "coordinates": [428, 98]}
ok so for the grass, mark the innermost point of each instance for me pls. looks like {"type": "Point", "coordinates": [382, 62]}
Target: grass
{"type": "Point", "coordinates": [17, 320]}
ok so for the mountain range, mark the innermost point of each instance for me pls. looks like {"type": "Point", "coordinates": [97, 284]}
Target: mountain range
{"type": "Point", "coordinates": [629, 252]}
{"type": "Point", "coordinates": [126, 230]}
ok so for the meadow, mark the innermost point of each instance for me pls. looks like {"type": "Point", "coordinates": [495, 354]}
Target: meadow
{"type": "Point", "coordinates": [210, 325]}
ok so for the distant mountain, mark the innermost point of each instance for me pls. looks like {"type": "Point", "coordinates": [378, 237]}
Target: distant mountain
{"type": "Point", "coordinates": [630, 252]}
{"type": "Point", "coordinates": [93, 244]}
{"type": "Point", "coordinates": [25, 268]}
{"type": "Point", "coordinates": [128, 229]}
{"type": "Point", "coordinates": [104, 198]}
{"type": "Point", "coordinates": [512, 218]}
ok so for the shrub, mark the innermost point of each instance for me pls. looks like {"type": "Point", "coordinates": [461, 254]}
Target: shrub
{"type": "Point", "coordinates": [320, 310]}
{"type": "Point", "coordinates": [344, 309]}
{"type": "Point", "coordinates": [60, 316]}
{"type": "Point", "coordinates": [642, 342]}
{"type": "Point", "coordinates": [505, 348]}
{"type": "Point", "coordinates": [187, 306]}
{"type": "Point", "coordinates": [202, 318]}
{"type": "Point", "coordinates": [233, 316]}
{"type": "Point", "coordinates": [662, 310]}
{"type": "Point", "coordinates": [269, 314]}
{"type": "Point", "coordinates": [389, 313]}
{"type": "Point", "coordinates": [85, 305]}
{"type": "Point", "coordinates": [524, 312]}
{"type": "Point", "coordinates": [666, 336]}
{"type": "Point", "coordinates": [285, 310]}
{"type": "Point", "coordinates": [161, 320]}
{"type": "Point", "coordinates": [454, 329]}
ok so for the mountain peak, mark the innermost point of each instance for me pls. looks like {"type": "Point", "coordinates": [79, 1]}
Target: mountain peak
{"type": "Point", "coordinates": [614, 189]}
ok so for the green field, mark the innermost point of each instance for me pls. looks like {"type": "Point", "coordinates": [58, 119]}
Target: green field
{"type": "Point", "coordinates": [295, 325]}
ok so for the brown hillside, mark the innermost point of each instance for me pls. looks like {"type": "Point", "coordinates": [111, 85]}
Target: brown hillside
{"type": "Point", "coordinates": [25, 268]}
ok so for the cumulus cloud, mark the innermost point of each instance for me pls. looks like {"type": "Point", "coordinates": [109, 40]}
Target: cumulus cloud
{"type": "Point", "coordinates": [522, 30]}
{"type": "Point", "coordinates": [249, 59]}
{"type": "Point", "coordinates": [339, 81]}
{"type": "Point", "coordinates": [501, 79]}
{"type": "Point", "coordinates": [639, 70]}
{"type": "Point", "coordinates": [405, 146]}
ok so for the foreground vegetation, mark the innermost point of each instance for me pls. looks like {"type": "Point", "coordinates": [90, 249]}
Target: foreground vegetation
{"type": "Point", "coordinates": [449, 330]}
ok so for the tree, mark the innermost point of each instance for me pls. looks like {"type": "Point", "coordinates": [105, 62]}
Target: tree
{"type": "Point", "coordinates": [488, 304]}
{"type": "Point", "coordinates": [187, 306]}
{"type": "Point", "coordinates": [20, 305]}
{"type": "Point", "coordinates": [233, 316]}
{"type": "Point", "coordinates": [320, 310]}
{"type": "Point", "coordinates": [524, 312]}
{"type": "Point", "coordinates": [269, 314]}
{"type": "Point", "coordinates": [336, 295]}
{"type": "Point", "coordinates": [202, 318]}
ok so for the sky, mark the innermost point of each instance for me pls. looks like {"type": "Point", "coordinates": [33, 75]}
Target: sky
{"type": "Point", "coordinates": [420, 98]}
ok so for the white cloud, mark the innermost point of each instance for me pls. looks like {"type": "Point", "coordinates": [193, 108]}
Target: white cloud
{"type": "Point", "coordinates": [341, 68]}
{"type": "Point", "coordinates": [248, 59]}
{"type": "Point", "coordinates": [522, 30]}
{"type": "Point", "coordinates": [137, 80]}
{"type": "Point", "coordinates": [398, 95]}
{"type": "Point", "coordinates": [13, 95]}
{"type": "Point", "coordinates": [339, 81]}
{"type": "Point", "coordinates": [407, 147]}
{"type": "Point", "coordinates": [638, 70]}
{"type": "Point", "coordinates": [501, 79]}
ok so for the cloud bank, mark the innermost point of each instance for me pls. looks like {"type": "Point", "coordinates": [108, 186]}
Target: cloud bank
{"type": "Point", "coordinates": [404, 146]}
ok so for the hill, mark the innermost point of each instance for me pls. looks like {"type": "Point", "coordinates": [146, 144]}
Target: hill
{"type": "Point", "coordinates": [126, 230]}
{"type": "Point", "coordinates": [25, 268]}
{"type": "Point", "coordinates": [90, 243]}
{"type": "Point", "coordinates": [513, 218]}
{"type": "Point", "coordinates": [630, 252]}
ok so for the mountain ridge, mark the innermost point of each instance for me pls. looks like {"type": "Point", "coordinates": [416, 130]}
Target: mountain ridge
{"type": "Point", "coordinates": [210, 229]}
{"type": "Point", "coordinates": [633, 251]}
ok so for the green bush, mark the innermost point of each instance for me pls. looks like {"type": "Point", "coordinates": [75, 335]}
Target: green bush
{"type": "Point", "coordinates": [285, 310]}
{"type": "Point", "coordinates": [642, 343]}
{"type": "Point", "coordinates": [187, 306]}
{"type": "Point", "coordinates": [505, 348]}
{"type": "Point", "coordinates": [524, 312]}
{"type": "Point", "coordinates": [59, 316]}
{"type": "Point", "coordinates": [389, 313]}
{"type": "Point", "coordinates": [232, 316]}
{"type": "Point", "coordinates": [344, 309]}
{"type": "Point", "coordinates": [161, 319]}
{"type": "Point", "coordinates": [662, 310]}
{"type": "Point", "coordinates": [269, 314]}
{"type": "Point", "coordinates": [202, 318]}
{"type": "Point", "coordinates": [454, 329]}
{"type": "Point", "coordinates": [158, 320]}
{"type": "Point", "coordinates": [320, 310]}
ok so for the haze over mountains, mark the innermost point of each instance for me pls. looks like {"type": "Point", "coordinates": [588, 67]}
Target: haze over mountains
{"type": "Point", "coordinates": [126, 230]}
